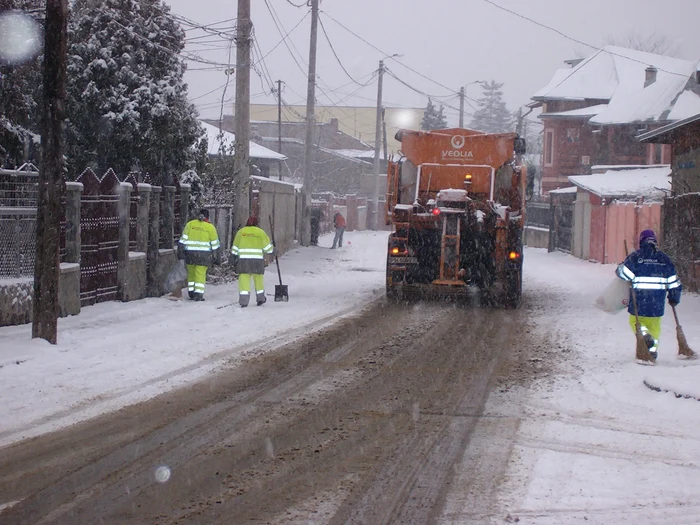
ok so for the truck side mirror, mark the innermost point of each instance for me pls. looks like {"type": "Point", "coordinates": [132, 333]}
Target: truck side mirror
{"type": "Point", "coordinates": [520, 146]}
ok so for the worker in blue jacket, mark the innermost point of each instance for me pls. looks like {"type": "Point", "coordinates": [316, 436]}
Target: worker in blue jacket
{"type": "Point", "coordinates": [653, 276]}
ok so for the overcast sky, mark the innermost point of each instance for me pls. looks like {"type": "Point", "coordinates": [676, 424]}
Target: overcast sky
{"type": "Point", "coordinates": [452, 42]}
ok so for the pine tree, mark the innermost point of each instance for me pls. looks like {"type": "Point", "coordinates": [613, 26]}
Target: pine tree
{"type": "Point", "coordinates": [493, 115]}
{"type": "Point", "coordinates": [433, 118]}
{"type": "Point", "coordinates": [127, 102]}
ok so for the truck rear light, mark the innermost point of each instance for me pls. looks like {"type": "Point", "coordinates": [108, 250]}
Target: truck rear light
{"type": "Point", "coordinates": [513, 256]}
{"type": "Point", "coordinates": [468, 177]}
{"type": "Point", "coordinates": [395, 250]}
{"type": "Point", "coordinates": [436, 211]}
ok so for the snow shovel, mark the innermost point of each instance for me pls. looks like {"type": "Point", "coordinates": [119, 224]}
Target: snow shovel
{"type": "Point", "coordinates": [643, 355]}
{"type": "Point", "coordinates": [281, 291]}
{"type": "Point", "coordinates": [684, 350]}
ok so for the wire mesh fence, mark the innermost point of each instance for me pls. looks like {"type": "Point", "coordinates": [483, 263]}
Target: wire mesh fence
{"type": "Point", "coordinates": [17, 239]}
{"type": "Point", "coordinates": [20, 187]}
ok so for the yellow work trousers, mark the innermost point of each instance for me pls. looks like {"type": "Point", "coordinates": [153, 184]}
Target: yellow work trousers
{"type": "Point", "coordinates": [651, 326]}
{"type": "Point", "coordinates": [244, 287]}
{"type": "Point", "coordinates": [196, 278]}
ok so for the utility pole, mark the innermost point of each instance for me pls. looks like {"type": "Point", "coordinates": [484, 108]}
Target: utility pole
{"type": "Point", "coordinates": [461, 107]}
{"type": "Point", "coordinates": [309, 142]}
{"type": "Point", "coordinates": [377, 144]}
{"type": "Point", "coordinates": [241, 161]}
{"type": "Point", "coordinates": [48, 218]}
{"type": "Point", "coordinates": [384, 143]}
{"type": "Point", "coordinates": [279, 118]}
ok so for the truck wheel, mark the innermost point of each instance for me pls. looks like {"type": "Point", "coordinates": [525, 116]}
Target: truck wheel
{"type": "Point", "coordinates": [513, 289]}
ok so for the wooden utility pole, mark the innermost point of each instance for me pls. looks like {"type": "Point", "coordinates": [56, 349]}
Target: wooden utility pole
{"type": "Point", "coordinates": [309, 142]}
{"type": "Point", "coordinates": [384, 142]}
{"type": "Point", "coordinates": [279, 119]}
{"type": "Point", "coordinates": [241, 163]}
{"type": "Point", "coordinates": [377, 144]}
{"type": "Point", "coordinates": [48, 218]}
{"type": "Point", "coordinates": [461, 107]}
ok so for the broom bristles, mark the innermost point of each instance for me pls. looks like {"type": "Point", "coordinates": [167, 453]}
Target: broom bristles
{"type": "Point", "coordinates": [642, 350]}
{"type": "Point", "coordinates": [683, 346]}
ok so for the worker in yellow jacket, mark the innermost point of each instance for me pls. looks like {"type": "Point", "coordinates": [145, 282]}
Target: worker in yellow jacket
{"type": "Point", "coordinates": [199, 246]}
{"type": "Point", "coordinates": [248, 256]}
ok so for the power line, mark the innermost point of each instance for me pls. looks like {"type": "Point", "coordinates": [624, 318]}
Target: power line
{"type": "Point", "coordinates": [323, 28]}
{"type": "Point", "coordinates": [284, 37]}
{"type": "Point", "coordinates": [393, 58]}
{"type": "Point", "coordinates": [581, 42]}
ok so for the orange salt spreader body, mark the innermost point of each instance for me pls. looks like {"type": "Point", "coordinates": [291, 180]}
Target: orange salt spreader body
{"type": "Point", "coordinates": [456, 203]}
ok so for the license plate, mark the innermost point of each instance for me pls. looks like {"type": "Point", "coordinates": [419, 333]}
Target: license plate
{"type": "Point", "coordinates": [404, 260]}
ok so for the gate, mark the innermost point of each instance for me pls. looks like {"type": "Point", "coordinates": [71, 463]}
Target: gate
{"type": "Point", "coordinates": [99, 228]}
{"type": "Point", "coordinates": [562, 227]}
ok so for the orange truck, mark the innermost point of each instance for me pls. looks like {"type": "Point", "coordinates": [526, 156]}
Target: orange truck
{"type": "Point", "coordinates": [456, 204]}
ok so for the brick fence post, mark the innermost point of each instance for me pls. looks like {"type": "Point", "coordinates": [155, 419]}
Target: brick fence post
{"type": "Point", "coordinates": [142, 218]}
{"type": "Point", "coordinates": [123, 207]}
{"type": "Point", "coordinates": [185, 190]}
{"type": "Point", "coordinates": [167, 217]}
{"type": "Point", "coordinates": [74, 191]}
{"type": "Point", "coordinates": [153, 241]}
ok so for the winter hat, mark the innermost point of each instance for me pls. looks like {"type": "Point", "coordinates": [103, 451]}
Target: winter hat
{"type": "Point", "coordinates": [203, 214]}
{"type": "Point", "coordinates": [647, 236]}
{"type": "Point", "coordinates": [252, 221]}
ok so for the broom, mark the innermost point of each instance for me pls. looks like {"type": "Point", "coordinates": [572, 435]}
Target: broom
{"type": "Point", "coordinates": [684, 350]}
{"type": "Point", "coordinates": [642, 350]}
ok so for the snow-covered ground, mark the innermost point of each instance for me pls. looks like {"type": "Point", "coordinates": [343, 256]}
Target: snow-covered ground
{"type": "Point", "coordinates": [114, 354]}
{"type": "Point", "coordinates": [594, 444]}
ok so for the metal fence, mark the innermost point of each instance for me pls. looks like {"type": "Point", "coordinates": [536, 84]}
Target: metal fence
{"type": "Point", "coordinates": [538, 214]}
{"type": "Point", "coordinates": [18, 240]}
{"type": "Point", "coordinates": [19, 187]}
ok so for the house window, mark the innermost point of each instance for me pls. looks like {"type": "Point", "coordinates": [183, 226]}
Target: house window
{"type": "Point", "coordinates": [572, 135]}
{"type": "Point", "coordinates": [548, 147]}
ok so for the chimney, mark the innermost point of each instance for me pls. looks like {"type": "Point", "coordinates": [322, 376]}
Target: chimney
{"type": "Point", "coordinates": [650, 76]}
{"type": "Point", "coordinates": [334, 124]}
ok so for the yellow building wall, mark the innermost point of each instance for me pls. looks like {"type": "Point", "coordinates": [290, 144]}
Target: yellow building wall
{"type": "Point", "coordinates": [356, 121]}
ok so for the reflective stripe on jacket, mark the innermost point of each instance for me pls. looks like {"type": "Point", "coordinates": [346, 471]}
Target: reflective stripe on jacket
{"type": "Point", "coordinates": [652, 275]}
{"type": "Point", "coordinates": [250, 246]}
{"type": "Point", "coordinates": [200, 242]}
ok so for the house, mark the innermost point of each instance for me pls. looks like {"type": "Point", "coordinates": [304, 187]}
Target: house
{"type": "Point", "coordinates": [358, 122]}
{"type": "Point", "coordinates": [612, 207]}
{"type": "Point", "coordinates": [681, 212]}
{"type": "Point", "coordinates": [594, 109]}
{"type": "Point", "coordinates": [266, 160]}
{"type": "Point", "coordinates": [683, 137]}
{"type": "Point", "coordinates": [332, 171]}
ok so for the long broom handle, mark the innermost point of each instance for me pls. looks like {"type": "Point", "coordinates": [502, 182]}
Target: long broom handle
{"type": "Point", "coordinates": [277, 262]}
{"type": "Point", "coordinates": [675, 315]}
{"type": "Point", "coordinates": [638, 325]}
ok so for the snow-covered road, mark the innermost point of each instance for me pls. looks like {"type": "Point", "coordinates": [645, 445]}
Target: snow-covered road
{"type": "Point", "coordinates": [590, 442]}
{"type": "Point", "coordinates": [114, 354]}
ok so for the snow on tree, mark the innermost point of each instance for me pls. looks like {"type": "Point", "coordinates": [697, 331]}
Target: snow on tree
{"type": "Point", "coordinates": [433, 118]}
{"type": "Point", "coordinates": [127, 102]}
{"type": "Point", "coordinates": [492, 116]}
{"type": "Point", "coordinates": [20, 92]}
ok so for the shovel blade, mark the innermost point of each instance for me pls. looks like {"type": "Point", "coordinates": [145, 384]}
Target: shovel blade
{"type": "Point", "coordinates": [281, 293]}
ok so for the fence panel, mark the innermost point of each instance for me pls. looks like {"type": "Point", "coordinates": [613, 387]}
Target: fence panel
{"type": "Point", "coordinates": [99, 226]}
{"type": "Point", "coordinates": [563, 227]}
{"type": "Point", "coordinates": [538, 214]}
{"type": "Point", "coordinates": [18, 242]}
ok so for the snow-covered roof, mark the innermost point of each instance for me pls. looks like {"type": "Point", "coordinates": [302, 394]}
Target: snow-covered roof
{"type": "Point", "coordinates": [359, 153]}
{"type": "Point", "coordinates": [588, 112]}
{"type": "Point", "coordinates": [662, 134]}
{"type": "Point", "coordinates": [570, 189]}
{"type": "Point", "coordinates": [647, 183]}
{"type": "Point", "coordinates": [256, 151]}
{"type": "Point", "coordinates": [617, 74]}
